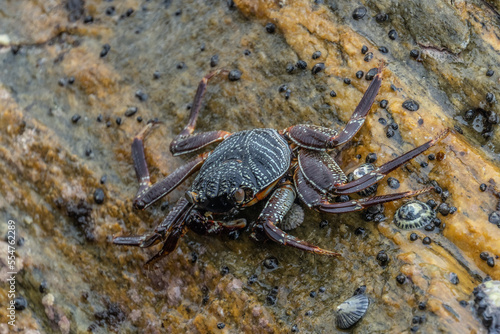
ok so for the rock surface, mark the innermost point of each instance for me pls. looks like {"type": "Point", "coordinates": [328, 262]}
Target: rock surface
{"type": "Point", "coordinates": [71, 71]}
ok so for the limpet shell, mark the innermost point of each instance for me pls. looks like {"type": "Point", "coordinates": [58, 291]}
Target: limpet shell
{"type": "Point", "coordinates": [413, 215]}
{"type": "Point", "coordinates": [351, 311]}
{"type": "Point", "coordinates": [361, 171]}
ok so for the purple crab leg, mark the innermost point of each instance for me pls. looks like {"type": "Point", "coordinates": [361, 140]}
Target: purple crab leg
{"type": "Point", "coordinates": [149, 194]}
{"type": "Point", "coordinates": [320, 138]}
{"type": "Point", "coordinates": [169, 231]}
{"type": "Point", "coordinates": [306, 192]}
{"type": "Point", "coordinates": [185, 141]}
{"type": "Point", "coordinates": [379, 173]}
{"type": "Point", "coordinates": [274, 212]}
{"type": "Point", "coordinates": [191, 143]}
{"type": "Point", "coordinates": [363, 203]}
{"type": "Point", "coordinates": [319, 168]}
{"type": "Point", "coordinates": [310, 196]}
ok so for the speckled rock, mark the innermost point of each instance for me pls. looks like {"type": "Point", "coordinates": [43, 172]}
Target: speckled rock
{"type": "Point", "coordinates": [435, 24]}
{"type": "Point", "coordinates": [51, 70]}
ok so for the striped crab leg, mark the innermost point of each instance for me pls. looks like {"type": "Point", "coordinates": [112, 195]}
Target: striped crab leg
{"type": "Point", "coordinates": [275, 210]}
{"type": "Point", "coordinates": [314, 200]}
{"type": "Point", "coordinates": [186, 141]}
{"type": "Point", "coordinates": [380, 172]}
{"type": "Point", "coordinates": [169, 231]}
{"type": "Point", "coordinates": [315, 137]}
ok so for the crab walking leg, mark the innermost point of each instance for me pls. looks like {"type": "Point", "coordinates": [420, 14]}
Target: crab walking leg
{"type": "Point", "coordinates": [379, 173]}
{"type": "Point", "coordinates": [163, 229]}
{"type": "Point", "coordinates": [191, 143]}
{"type": "Point", "coordinates": [363, 203]}
{"type": "Point", "coordinates": [140, 165]}
{"type": "Point", "coordinates": [321, 170]}
{"type": "Point", "coordinates": [185, 141]}
{"type": "Point", "coordinates": [169, 231]}
{"type": "Point", "coordinates": [310, 196]}
{"type": "Point", "coordinates": [320, 138]}
{"type": "Point", "coordinates": [149, 194]}
{"type": "Point", "coordinates": [274, 212]}
{"type": "Point", "coordinates": [170, 243]}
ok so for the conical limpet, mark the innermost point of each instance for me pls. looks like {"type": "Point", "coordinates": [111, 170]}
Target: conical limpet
{"type": "Point", "coordinates": [351, 311]}
{"type": "Point", "coordinates": [413, 215]}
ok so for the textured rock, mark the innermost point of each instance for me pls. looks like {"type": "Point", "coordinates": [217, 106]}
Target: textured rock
{"type": "Point", "coordinates": [51, 69]}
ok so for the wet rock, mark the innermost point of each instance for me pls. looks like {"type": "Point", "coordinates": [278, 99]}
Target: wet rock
{"type": "Point", "coordinates": [75, 9]}
{"type": "Point", "coordinates": [487, 304]}
{"type": "Point", "coordinates": [39, 159]}
{"type": "Point", "coordinates": [437, 25]}
{"type": "Point", "coordinates": [113, 316]}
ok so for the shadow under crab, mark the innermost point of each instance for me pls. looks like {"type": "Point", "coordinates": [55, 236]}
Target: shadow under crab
{"type": "Point", "coordinates": [254, 165]}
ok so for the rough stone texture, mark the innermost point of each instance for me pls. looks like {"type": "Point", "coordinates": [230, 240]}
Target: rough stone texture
{"type": "Point", "coordinates": [50, 165]}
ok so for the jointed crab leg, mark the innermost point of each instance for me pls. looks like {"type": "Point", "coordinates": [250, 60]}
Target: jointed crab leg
{"type": "Point", "coordinates": [379, 173]}
{"type": "Point", "coordinates": [274, 211]}
{"type": "Point", "coordinates": [191, 143]}
{"type": "Point", "coordinates": [314, 200]}
{"type": "Point", "coordinates": [319, 168]}
{"type": "Point", "coordinates": [320, 138]}
{"type": "Point", "coordinates": [185, 141]}
{"type": "Point", "coordinates": [169, 231]}
{"type": "Point", "coordinates": [147, 193]}
{"type": "Point", "coordinates": [363, 203]}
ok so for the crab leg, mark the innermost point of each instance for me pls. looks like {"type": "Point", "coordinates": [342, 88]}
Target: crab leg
{"type": "Point", "coordinates": [274, 212]}
{"type": "Point", "coordinates": [363, 203]}
{"type": "Point", "coordinates": [306, 192]}
{"type": "Point", "coordinates": [191, 143]}
{"type": "Point", "coordinates": [320, 138]}
{"type": "Point", "coordinates": [379, 173]}
{"type": "Point", "coordinates": [319, 168]}
{"type": "Point", "coordinates": [169, 231]}
{"type": "Point", "coordinates": [316, 201]}
{"type": "Point", "coordinates": [185, 141]}
{"type": "Point", "coordinates": [148, 193]}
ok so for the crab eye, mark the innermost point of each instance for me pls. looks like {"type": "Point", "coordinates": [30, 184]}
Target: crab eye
{"type": "Point", "coordinates": [239, 195]}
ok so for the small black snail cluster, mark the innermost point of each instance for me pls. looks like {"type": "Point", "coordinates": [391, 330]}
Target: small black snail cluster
{"type": "Point", "coordinates": [352, 310]}
{"type": "Point", "coordinates": [487, 305]}
{"type": "Point", "coordinates": [413, 215]}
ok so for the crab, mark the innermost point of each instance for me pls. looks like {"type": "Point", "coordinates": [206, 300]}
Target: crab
{"type": "Point", "coordinates": [252, 166]}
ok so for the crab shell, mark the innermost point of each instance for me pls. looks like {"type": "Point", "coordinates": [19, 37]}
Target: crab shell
{"type": "Point", "coordinates": [252, 160]}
